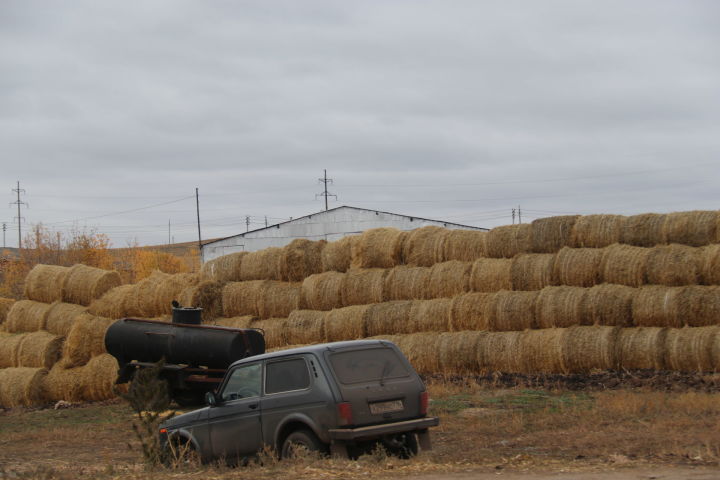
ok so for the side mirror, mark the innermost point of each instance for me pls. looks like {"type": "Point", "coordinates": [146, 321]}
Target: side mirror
{"type": "Point", "coordinates": [210, 399]}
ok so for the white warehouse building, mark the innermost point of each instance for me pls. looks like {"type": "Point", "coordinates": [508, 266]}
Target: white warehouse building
{"type": "Point", "coordinates": [327, 225]}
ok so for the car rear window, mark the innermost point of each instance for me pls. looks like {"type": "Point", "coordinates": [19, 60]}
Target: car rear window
{"type": "Point", "coordinates": [286, 376]}
{"type": "Point", "coordinates": [368, 365]}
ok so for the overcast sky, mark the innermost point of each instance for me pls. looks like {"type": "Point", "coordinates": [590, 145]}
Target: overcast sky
{"type": "Point", "coordinates": [453, 110]}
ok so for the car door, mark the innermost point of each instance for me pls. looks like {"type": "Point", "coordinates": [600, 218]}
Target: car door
{"type": "Point", "coordinates": [235, 423]}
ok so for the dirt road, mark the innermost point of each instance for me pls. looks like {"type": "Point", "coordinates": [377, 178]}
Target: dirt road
{"type": "Point", "coordinates": [661, 473]}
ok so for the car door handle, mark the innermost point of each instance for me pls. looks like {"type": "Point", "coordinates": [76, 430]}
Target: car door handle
{"type": "Point", "coordinates": [253, 406]}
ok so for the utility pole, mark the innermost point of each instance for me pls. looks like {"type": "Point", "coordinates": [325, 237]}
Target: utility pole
{"type": "Point", "coordinates": [197, 205]}
{"type": "Point", "coordinates": [325, 181]}
{"type": "Point", "coordinates": [19, 217]}
{"type": "Point", "coordinates": [4, 230]}
{"type": "Point", "coordinates": [265, 221]}
{"type": "Point", "coordinates": [168, 231]}
{"type": "Point", "coordinates": [247, 223]}
{"type": "Point", "coordinates": [513, 216]}
{"type": "Point", "coordinates": [519, 215]}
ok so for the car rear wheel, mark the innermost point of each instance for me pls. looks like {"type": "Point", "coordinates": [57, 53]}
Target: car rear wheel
{"type": "Point", "coordinates": [299, 442]}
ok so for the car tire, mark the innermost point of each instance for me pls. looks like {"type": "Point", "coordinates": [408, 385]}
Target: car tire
{"type": "Point", "coordinates": [300, 439]}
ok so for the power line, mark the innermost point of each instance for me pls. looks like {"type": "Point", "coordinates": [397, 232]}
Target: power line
{"type": "Point", "coordinates": [19, 217]}
{"type": "Point", "coordinates": [122, 212]}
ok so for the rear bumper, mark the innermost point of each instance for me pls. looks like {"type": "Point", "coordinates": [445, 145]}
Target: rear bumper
{"type": "Point", "coordinates": [375, 431]}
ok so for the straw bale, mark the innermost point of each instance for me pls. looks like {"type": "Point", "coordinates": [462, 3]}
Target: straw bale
{"type": "Point", "coordinates": [300, 259]}
{"type": "Point", "coordinates": [363, 286]}
{"type": "Point", "coordinates": [5, 305]}
{"type": "Point", "coordinates": [541, 350]}
{"type": "Point", "coordinates": [9, 348]}
{"type": "Point", "coordinates": [491, 275]}
{"type": "Point", "coordinates": [509, 240]}
{"type": "Point", "coordinates": [262, 265]}
{"type": "Point", "coordinates": [116, 303]}
{"type": "Point", "coordinates": [378, 248]}
{"type": "Point", "coordinates": [306, 327]}
{"type": "Point", "coordinates": [61, 316]}
{"type": "Point", "coordinates": [85, 339]}
{"type": "Point", "coordinates": [429, 315]}
{"type": "Point", "coordinates": [337, 255]}
{"type": "Point", "coordinates": [421, 349]}
{"type": "Point", "coordinates": [323, 291]}
{"type": "Point", "coordinates": [699, 306]}
{"type": "Point", "coordinates": [657, 306]}
{"type": "Point", "coordinates": [644, 230]}
{"type": "Point", "coordinates": [170, 289]}
{"type": "Point", "coordinates": [235, 322]}
{"type": "Point", "coordinates": [143, 304]}
{"type": "Point", "coordinates": [509, 311]}
{"type": "Point", "coordinates": [27, 316]}
{"type": "Point", "coordinates": [469, 312]}
{"type": "Point", "coordinates": [389, 318]}
{"type": "Point", "coordinates": [457, 352]}
{"type": "Point", "coordinates": [589, 348]}
{"type": "Point", "coordinates": [577, 267]}
{"type": "Point", "coordinates": [609, 304]}
{"type": "Point", "coordinates": [207, 295]}
{"type": "Point", "coordinates": [624, 265]}
{"type": "Point", "coordinates": [641, 348]}
{"type": "Point", "coordinates": [346, 323]}
{"type": "Point", "coordinates": [39, 350]}
{"type": "Point", "coordinates": [709, 264]}
{"type": "Point", "coordinates": [407, 283]}
{"type": "Point", "coordinates": [278, 299]}
{"type": "Point", "coordinates": [98, 378]}
{"type": "Point", "coordinates": [691, 349]}
{"type": "Point", "coordinates": [64, 384]}
{"type": "Point", "coordinates": [673, 265]}
{"type": "Point", "coordinates": [498, 352]}
{"type": "Point", "coordinates": [550, 234]}
{"type": "Point", "coordinates": [448, 279]}
{"type": "Point", "coordinates": [597, 231]}
{"type": "Point", "coordinates": [561, 307]}
{"type": "Point", "coordinates": [275, 331]}
{"type": "Point", "coordinates": [22, 386]}
{"type": "Point", "coordinates": [696, 228]}
{"type": "Point", "coordinates": [84, 284]}
{"type": "Point", "coordinates": [464, 245]}
{"type": "Point", "coordinates": [44, 283]}
{"type": "Point", "coordinates": [223, 269]}
{"type": "Point", "coordinates": [424, 247]}
{"type": "Point", "coordinates": [533, 271]}
{"type": "Point", "coordinates": [242, 298]}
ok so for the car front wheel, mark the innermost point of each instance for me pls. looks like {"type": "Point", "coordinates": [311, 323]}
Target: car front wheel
{"type": "Point", "coordinates": [298, 442]}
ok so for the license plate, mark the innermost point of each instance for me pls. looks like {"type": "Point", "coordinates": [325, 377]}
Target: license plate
{"type": "Point", "coordinates": [379, 408]}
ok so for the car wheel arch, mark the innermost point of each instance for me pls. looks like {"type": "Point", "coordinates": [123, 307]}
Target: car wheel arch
{"type": "Point", "coordinates": [293, 424]}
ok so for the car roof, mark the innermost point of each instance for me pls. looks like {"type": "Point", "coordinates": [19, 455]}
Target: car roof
{"type": "Point", "coordinates": [317, 349]}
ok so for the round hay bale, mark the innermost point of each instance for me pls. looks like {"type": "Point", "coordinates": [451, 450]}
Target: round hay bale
{"type": "Point", "coordinates": [699, 306]}
{"type": "Point", "coordinates": [624, 265]}
{"type": "Point", "coordinates": [641, 348]}
{"type": "Point", "coordinates": [363, 287]}
{"type": "Point", "coordinates": [509, 240]}
{"type": "Point", "coordinates": [61, 317]}
{"type": "Point", "coordinates": [22, 386]}
{"type": "Point", "coordinates": [306, 327]}
{"type": "Point", "coordinates": [610, 305]}
{"type": "Point", "coordinates": [491, 275]}
{"type": "Point", "coordinates": [378, 248]}
{"type": "Point", "coordinates": [116, 303]}
{"type": "Point", "coordinates": [407, 283]}
{"type": "Point", "coordinates": [644, 230]}
{"type": "Point", "coordinates": [498, 352]}
{"type": "Point", "coordinates": [275, 331]}
{"type": "Point", "coordinates": [469, 312]}
{"type": "Point", "coordinates": [533, 271]}
{"type": "Point", "coordinates": [509, 311]}
{"type": "Point", "coordinates": [561, 307]}
{"type": "Point", "coordinates": [98, 378]}
{"type": "Point", "coordinates": [278, 299]}
{"type": "Point", "coordinates": [429, 315]}
{"type": "Point", "coordinates": [337, 255]}
{"type": "Point", "coordinates": [540, 351]}
{"type": "Point", "coordinates": [262, 265]}
{"type": "Point", "coordinates": [657, 306]}
{"type": "Point", "coordinates": [27, 316]}
{"type": "Point", "coordinates": [242, 298]}
{"type": "Point", "coordinates": [85, 339]}
{"type": "Point", "coordinates": [448, 279]}
{"type": "Point", "coordinates": [597, 231]}
{"type": "Point", "coordinates": [691, 349]}
{"type": "Point", "coordinates": [170, 289]}
{"type": "Point", "coordinates": [144, 298]}
{"type": "Point", "coordinates": [589, 348]}
{"type": "Point", "coordinates": [39, 350]}
{"type": "Point", "coordinates": [207, 295]}
{"type": "Point", "coordinates": [5, 305]}
{"type": "Point", "coordinates": [550, 234]}
{"type": "Point", "coordinates": [235, 322]}
{"type": "Point", "coordinates": [709, 264]}
{"type": "Point", "coordinates": [464, 245]}
{"type": "Point", "coordinates": [84, 284]}
{"type": "Point", "coordinates": [9, 348]}
{"type": "Point", "coordinates": [424, 247]}
{"type": "Point", "coordinates": [673, 265]}
{"type": "Point", "coordinates": [457, 352]}
{"type": "Point", "coordinates": [300, 259]}
{"type": "Point", "coordinates": [695, 228]}
{"type": "Point", "coordinates": [346, 323]}
{"type": "Point", "coordinates": [323, 291]}
{"type": "Point", "coordinates": [421, 349]}
{"type": "Point", "coordinates": [577, 267]}
{"type": "Point", "coordinates": [389, 318]}
{"type": "Point", "coordinates": [44, 283]}
{"type": "Point", "coordinates": [64, 384]}
{"type": "Point", "coordinates": [223, 269]}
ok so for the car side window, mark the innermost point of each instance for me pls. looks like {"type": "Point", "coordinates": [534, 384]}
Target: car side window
{"type": "Point", "coordinates": [286, 376]}
{"type": "Point", "coordinates": [244, 382]}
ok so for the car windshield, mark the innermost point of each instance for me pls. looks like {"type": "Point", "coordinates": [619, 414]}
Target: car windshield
{"type": "Point", "coordinates": [372, 364]}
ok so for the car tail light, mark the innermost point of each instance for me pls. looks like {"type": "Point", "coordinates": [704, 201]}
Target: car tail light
{"type": "Point", "coordinates": [424, 400]}
{"type": "Point", "coordinates": [345, 413]}
{"type": "Point", "coordinates": [163, 431]}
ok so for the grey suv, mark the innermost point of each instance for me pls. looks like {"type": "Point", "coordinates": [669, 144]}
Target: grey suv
{"type": "Point", "coordinates": [337, 398]}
